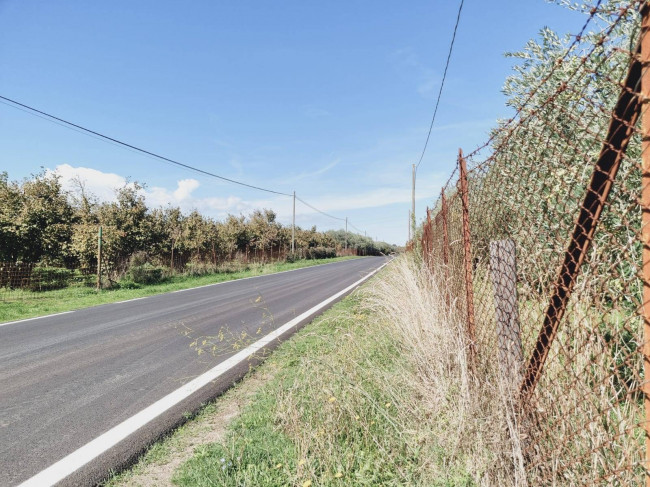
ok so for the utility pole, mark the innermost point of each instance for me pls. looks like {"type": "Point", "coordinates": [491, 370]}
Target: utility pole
{"type": "Point", "coordinates": [413, 202]}
{"type": "Point", "coordinates": [99, 259]}
{"type": "Point", "coordinates": [293, 225]}
{"type": "Point", "coordinates": [346, 233]}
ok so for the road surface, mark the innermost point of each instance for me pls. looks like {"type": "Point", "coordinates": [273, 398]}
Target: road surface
{"type": "Point", "coordinates": [67, 379]}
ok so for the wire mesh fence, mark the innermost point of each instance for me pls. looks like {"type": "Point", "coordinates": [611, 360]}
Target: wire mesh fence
{"type": "Point", "coordinates": [541, 238]}
{"type": "Point", "coordinates": [22, 280]}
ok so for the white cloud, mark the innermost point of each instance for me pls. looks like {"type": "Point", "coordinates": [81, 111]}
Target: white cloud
{"type": "Point", "coordinates": [185, 188]}
{"type": "Point", "coordinates": [104, 185]}
{"type": "Point", "coordinates": [98, 183]}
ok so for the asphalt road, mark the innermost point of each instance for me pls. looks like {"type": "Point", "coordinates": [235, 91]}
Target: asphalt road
{"type": "Point", "coordinates": [66, 379]}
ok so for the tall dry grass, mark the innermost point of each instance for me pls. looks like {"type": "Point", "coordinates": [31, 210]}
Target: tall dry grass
{"type": "Point", "coordinates": [469, 409]}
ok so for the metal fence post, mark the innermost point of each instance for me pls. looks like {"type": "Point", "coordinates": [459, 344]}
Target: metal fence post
{"type": "Point", "coordinates": [621, 128]}
{"type": "Point", "coordinates": [645, 226]}
{"type": "Point", "coordinates": [467, 248]}
{"type": "Point", "coordinates": [445, 245]}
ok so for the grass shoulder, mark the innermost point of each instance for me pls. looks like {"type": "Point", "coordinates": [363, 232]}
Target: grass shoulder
{"type": "Point", "coordinates": [32, 305]}
{"type": "Point", "coordinates": [336, 412]}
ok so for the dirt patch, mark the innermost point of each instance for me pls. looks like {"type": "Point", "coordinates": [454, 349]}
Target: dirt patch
{"type": "Point", "coordinates": [156, 470]}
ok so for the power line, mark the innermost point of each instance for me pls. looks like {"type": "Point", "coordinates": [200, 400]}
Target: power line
{"type": "Point", "coordinates": [97, 135]}
{"type": "Point", "coordinates": [350, 223]}
{"type": "Point", "coordinates": [319, 211]}
{"type": "Point", "coordinates": [60, 121]}
{"type": "Point", "coordinates": [442, 84]}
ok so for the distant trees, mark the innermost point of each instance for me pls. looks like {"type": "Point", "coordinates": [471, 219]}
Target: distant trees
{"type": "Point", "coordinates": [36, 220]}
{"type": "Point", "coordinates": [42, 223]}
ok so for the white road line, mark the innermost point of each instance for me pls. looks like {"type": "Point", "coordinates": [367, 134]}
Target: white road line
{"type": "Point", "coordinates": [35, 318]}
{"type": "Point", "coordinates": [179, 291]}
{"type": "Point", "coordinates": [128, 300]}
{"type": "Point", "coordinates": [77, 459]}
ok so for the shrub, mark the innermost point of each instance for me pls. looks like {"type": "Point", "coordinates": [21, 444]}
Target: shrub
{"type": "Point", "coordinates": [145, 274]}
{"type": "Point", "coordinates": [48, 278]}
{"type": "Point", "coordinates": [199, 269]}
{"type": "Point", "coordinates": [320, 253]}
{"type": "Point", "coordinates": [128, 284]}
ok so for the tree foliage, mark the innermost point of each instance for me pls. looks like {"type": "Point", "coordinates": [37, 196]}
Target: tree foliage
{"type": "Point", "coordinates": [42, 223]}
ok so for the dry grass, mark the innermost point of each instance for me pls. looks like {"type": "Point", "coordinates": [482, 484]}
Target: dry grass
{"type": "Point", "coordinates": [470, 413]}
{"type": "Point", "coordinates": [376, 392]}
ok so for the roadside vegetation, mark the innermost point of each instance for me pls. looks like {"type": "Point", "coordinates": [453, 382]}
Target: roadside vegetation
{"type": "Point", "coordinates": [376, 391]}
{"type": "Point", "coordinates": [19, 304]}
{"type": "Point", "coordinates": [44, 226]}
{"type": "Point", "coordinates": [49, 246]}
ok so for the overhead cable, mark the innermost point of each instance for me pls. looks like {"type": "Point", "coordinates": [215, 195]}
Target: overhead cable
{"type": "Point", "coordinates": [319, 211]}
{"type": "Point", "coordinates": [60, 121]}
{"type": "Point", "coordinates": [442, 84]}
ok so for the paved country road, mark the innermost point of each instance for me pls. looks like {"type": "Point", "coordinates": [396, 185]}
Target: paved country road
{"type": "Point", "coordinates": [69, 379]}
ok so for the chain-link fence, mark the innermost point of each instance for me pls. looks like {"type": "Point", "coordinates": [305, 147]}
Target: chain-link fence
{"type": "Point", "coordinates": [29, 280]}
{"type": "Point", "coordinates": [541, 236]}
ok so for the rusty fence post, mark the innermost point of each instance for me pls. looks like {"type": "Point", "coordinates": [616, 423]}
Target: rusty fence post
{"type": "Point", "coordinates": [427, 242]}
{"type": "Point", "coordinates": [445, 245]}
{"type": "Point", "coordinates": [621, 128]}
{"type": "Point", "coordinates": [645, 226]}
{"type": "Point", "coordinates": [467, 249]}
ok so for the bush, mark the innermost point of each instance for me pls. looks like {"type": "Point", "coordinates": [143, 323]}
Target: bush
{"type": "Point", "coordinates": [199, 269]}
{"type": "Point", "coordinates": [128, 284]}
{"type": "Point", "coordinates": [145, 274]}
{"type": "Point", "coordinates": [320, 253]}
{"type": "Point", "coordinates": [292, 257]}
{"type": "Point", "coordinates": [48, 278]}
{"type": "Point", "coordinates": [233, 266]}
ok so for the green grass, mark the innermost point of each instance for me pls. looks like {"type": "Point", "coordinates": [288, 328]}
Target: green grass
{"type": "Point", "coordinates": [16, 305]}
{"type": "Point", "coordinates": [336, 413]}
{"type": "Point", "coordinates": [161, 452]}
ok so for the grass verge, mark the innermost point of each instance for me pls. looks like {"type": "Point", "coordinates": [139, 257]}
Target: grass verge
{"type": "Point", "coordinates": [29, 305]}
{"type": "Point", "coordinates": [374, 392]}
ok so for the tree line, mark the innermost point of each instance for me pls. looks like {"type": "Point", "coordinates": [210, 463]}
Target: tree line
{"type": "Point", "coordinates": [40, 222]}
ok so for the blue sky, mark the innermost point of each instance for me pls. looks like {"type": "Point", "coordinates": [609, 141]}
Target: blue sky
{"type": "Point", "coordinates": [330, 99]}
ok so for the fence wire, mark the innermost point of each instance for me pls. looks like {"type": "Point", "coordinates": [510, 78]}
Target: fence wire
{"type": "Point", "coordinates": [28, 281]}
{"type": "Point", "coordinates": [550, 277]}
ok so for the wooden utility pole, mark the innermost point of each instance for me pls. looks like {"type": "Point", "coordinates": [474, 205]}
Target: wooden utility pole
{"type": "Point", "coordinates": [99, 259]}
{"type": "Point", "coordinates": [293, 225]}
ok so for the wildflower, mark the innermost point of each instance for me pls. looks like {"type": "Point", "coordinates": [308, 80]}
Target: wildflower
{"type": "Point", "coordinates": [387, 405]}
{"type": "Point", "coordinates": [278, 465]}
{"type": "Point", "coordinates": [306, 483]}
{"type": "Point", "coordinates": [301, 462]}
{"type": "Point", "coordinates": [357, 417]}
{"type": "Point", "coordinates": [338, 475]}
{"type": "Point", "coordinates": [332, 399]}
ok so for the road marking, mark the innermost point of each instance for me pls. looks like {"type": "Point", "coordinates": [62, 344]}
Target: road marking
{"type": "Point", "coordinates": [36, 318]}
{"type": "Point", "coordinates": [129, 300]}
{"type": "Point", "coordinates": [77, 459]}
{"type": "Point", "coordinates": [179, 291]}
